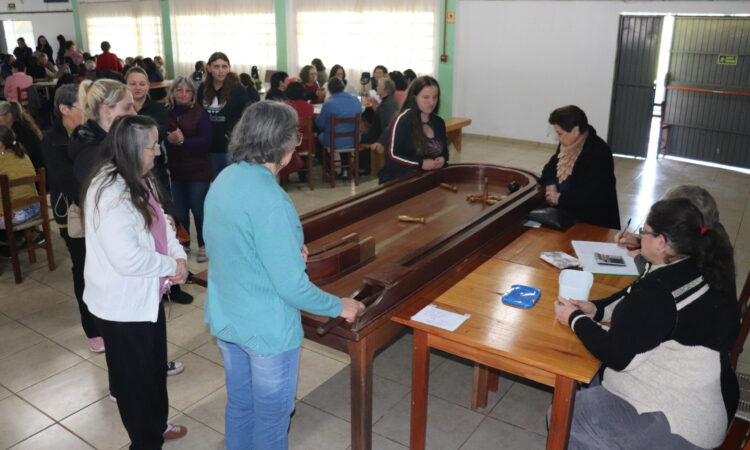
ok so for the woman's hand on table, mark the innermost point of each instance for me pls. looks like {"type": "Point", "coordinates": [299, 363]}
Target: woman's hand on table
{"type": "Point", "coordinates": [565, 307]}
{"type": "Point", "coordinates": [630, 241]}
{"type": "Point", "coordinates": [176, 137]}
{"type": "Point", "coordinates": [377, 147]}
{"type": "Point", "coordinates": [181, 272]}
{"type": "Point", "coordinates": [352, 308]}
{"type": "Point", "coordinates": [432, 164]}
{"type": "Point", "coordinates": [552, 195]}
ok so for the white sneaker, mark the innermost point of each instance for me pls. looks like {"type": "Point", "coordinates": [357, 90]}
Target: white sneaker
{"type": "Point", "coordinates": [174, 368]}
{"type": "Point", "coordinates": [201, 255]}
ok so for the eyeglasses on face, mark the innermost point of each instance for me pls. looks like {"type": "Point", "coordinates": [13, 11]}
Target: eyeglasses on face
{"type": "Point", "coordinates": [642, 231]}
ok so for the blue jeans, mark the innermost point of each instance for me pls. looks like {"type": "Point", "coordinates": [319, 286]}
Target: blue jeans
{"type": "Point", "coordinates": [260, 397]}
{"type": "Point", "coordinates": [218, 162]}
{"type": "Point", "coordinates": [189, 196]}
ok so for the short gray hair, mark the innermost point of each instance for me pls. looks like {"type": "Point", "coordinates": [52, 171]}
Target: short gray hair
{"type": "Point", "coordinates": [266, 132]}
{"type": "Point", "coordinates": [699, 197]}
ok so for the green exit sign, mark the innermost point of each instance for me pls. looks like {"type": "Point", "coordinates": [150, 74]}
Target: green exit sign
{"type": "Point", "coordinates": [11, 6]}
{"type": "Point", "coordinates": [728, 60]}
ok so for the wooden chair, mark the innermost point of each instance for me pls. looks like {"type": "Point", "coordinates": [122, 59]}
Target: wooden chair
{"type": "Point", "coordinates": [739, 431]}
{"type": "Point", "coordinates": [353, 165]}
{"type": "Point", "coordinates": [308, 136]}
{"type": "Point", "coordinates": [43, 219]}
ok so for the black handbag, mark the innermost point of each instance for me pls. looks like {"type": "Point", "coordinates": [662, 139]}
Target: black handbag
{"type": "Point", "coordinates": [551, 217]}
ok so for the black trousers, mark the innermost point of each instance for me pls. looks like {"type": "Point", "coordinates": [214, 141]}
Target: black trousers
{"type": "Point", "coordinates": [137, 361]}
{"type": "Point", "coordinates": [77, 250]}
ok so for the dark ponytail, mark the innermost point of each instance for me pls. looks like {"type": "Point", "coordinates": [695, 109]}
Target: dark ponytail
{"type": "Point", "coordinates": [9, 141]}
{"type": "Point", "coordinates": [681, 222]}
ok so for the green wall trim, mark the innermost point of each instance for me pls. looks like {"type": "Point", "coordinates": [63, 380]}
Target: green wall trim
{"type": "Point", "coordinates": [166, 36]}
{"type": "Point", "coordinates": [445, 69]}
{"type": "Point", "coordinates": [279, 7]}
{"type": "Point", "coordinates": [77, 23]}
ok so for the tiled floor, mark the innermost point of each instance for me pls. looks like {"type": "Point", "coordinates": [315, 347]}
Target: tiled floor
{"type": "Point", "coordinates": [53, 391]}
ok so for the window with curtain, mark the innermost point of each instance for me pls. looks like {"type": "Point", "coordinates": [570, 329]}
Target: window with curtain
{"type": "Point", "coordinates": [243, 30]}
{"type": "Point", "coordinates": [132, 28]}
{"type": "Point", "coordinates": [360, 35]}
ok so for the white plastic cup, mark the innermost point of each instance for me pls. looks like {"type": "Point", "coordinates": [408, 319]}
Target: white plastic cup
{"type": "Point", "coordinates": [575, 284]}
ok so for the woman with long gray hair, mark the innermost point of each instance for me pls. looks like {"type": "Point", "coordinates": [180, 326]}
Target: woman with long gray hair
{"type": "Point", "coordinates": [257, 283]}
{"type": "Point", "coordinates": [132, 258]}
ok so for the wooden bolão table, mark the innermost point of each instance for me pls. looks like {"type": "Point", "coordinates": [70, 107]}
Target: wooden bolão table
{"type": "Point", "coordinates": [525, 342]}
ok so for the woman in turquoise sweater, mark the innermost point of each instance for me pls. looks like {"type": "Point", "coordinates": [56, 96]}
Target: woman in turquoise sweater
{"type": "Point", "coordinates": [257, 283]}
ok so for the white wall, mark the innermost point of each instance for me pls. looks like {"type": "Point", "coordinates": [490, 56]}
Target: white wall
{"type": "Point", "coordinates": [516, 61]}
{"type": "Point", "coordinates": [49, 19]}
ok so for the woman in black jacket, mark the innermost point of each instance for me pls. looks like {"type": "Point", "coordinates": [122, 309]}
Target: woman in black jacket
{"type": "Point", "coordinates": [224, 98]}
{"type": "Point", "coordinates": [418, 140]}
{"type": "Point", "coordinates": [43, 46]}
{"type": "Point", "coordinates": [579, 179]}
{"type": "Point", "coordinates": [64, 192]}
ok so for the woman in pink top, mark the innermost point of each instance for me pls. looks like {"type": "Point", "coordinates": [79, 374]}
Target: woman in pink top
{"type": "Point", "coordinates": [19, 79]}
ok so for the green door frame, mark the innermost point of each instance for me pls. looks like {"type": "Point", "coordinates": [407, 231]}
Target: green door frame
{"type": "Point", "coordinates": [444, 69]}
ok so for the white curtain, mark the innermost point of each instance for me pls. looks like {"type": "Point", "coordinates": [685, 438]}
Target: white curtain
{"type": "Point", "coordinates": [133, 28]}
{"type": "Point", "coordinates": [362, 34]}
{"type": "Point", "coordinates": [244, 30]}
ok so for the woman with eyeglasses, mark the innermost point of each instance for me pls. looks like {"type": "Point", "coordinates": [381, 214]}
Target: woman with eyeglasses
{"type": "Point", "coordinates": [666, 378]}
{"type": "Point", "coordinates": [132, 258]}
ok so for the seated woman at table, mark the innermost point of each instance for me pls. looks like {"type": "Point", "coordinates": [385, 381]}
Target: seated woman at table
{"type": "Point", "coordinates": [342, 106]}
{"type": "Point", "coordinates": [667, 381]}
{"type": "Point", "coordinates": [401, 85]}
{"type": "Point", "coordinates": [278, 86]}
{"type": "Point", "coordinates": [295, 94]}
{"type": "Point", "coordinates": [309, 78]}
{"type": "Point", "coordinates": [417, 138]}
{"type": "Point", "coordinates": [257, 285]}
{"type": "Point", "coordinates": [15, 163]}
{"type": "Point", "coordinates": [72, 52]}
{"type": "Point", "coordinates": [337, 71]}
{"type": "Point", "coordinates": [579, 178]}
{"type": "Point", "coordinates": [27, 132]}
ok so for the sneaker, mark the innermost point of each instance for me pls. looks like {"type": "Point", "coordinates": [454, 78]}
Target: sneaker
{"type": "Point", "coordinates": [201, 255]}
{"type": "Point", "coordinates": [96, 344]}
{"type": "Point", "coordinates": [174, 368]}
{"type": "Point", "coordinates": [174, 432]}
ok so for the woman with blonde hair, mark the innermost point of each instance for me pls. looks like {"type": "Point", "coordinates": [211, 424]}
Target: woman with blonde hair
{"type": "Point", "coordinates": [27, 132]}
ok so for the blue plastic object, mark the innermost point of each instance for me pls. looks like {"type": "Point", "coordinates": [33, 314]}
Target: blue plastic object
{"type": "Point", "coordinates": [523, 296]}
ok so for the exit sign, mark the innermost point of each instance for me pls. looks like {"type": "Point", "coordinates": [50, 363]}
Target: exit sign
{"type": "Point", "coordinates": [728, 60]}
{"type": "Point", "coordinates": [11, 6]}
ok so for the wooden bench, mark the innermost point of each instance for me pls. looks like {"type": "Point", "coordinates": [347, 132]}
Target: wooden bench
{"type": "Point", "coordinates": [453, 127]}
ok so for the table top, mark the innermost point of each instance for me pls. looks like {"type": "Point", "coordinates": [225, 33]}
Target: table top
{"type": "Point", "coordinates": [530, 336]}
{"type": "Point", "coordinates": [526, 248]}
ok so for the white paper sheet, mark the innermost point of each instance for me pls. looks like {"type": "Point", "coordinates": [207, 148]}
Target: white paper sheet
{"type": "Point", "coordinates": [432, 315]}
{"type": "Point", "coordinates": [585, 251]}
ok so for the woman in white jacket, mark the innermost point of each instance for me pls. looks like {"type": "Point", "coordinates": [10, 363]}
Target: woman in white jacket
{"type": "Point", "coordinates": [132, 257]}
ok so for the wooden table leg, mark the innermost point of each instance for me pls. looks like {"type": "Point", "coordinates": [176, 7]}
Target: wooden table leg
{"type": "Point", "coordinates": [562, 413]}
{"type": "Point", "coordinates": [493, 380]}
{"type": "Point", "coordinates": [361, 395]}
{"type": "Point", "coordinates": [457, 139]}
{"type": "Point", "coordinates": [420, 373]}
{"type": "Point", "coordinates": [479, 392]}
